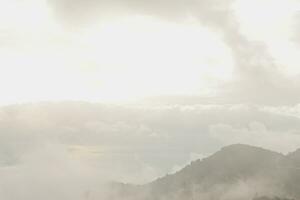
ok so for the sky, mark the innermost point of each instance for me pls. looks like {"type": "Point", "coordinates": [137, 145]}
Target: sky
{"type": "Point", "coordinates": [129, 90]}
{"type": "Point", "coordinates": [123, 51]}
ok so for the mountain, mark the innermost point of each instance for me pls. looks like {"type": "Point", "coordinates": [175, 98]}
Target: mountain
{"type": "Point", "coordinates": [270, 198]}
{"type": "Point", "coordinates": [235, 172]}
{"type": "Point", "coordinates": [294, 157]}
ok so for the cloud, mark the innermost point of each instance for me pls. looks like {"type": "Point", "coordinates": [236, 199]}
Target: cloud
{"type": "Point", "coordinates": [296, 23]}
{"type": "Point", "coordinates": [50, 173]}
{"type": "Point", "coordinates": [258, 135]}
{"type": "Point", "coordinates": [258, 79]}
{"type": "Point", "coordinates": [78, 11]}
{"type": "Point", "coordinates": [153, 130]}
{"type": "Point", "coordinates": [77, 145]}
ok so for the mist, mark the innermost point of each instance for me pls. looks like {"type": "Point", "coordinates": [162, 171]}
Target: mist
{"type": "Point", "coordinates": [71, 149]}
{"type": "Point", "coordinates": [149, 99]}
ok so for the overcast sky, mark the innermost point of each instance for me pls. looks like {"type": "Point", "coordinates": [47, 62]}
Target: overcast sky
{"type": "Point", "coordinates": [136, 89]}
{"type": "Point", "coordinates": [231, 51]}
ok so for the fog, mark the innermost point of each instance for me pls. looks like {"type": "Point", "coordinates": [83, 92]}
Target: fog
{"type": "Point", "coordinates": [135, 99]}
{"type": "Point", "coordinates": [68, 149]}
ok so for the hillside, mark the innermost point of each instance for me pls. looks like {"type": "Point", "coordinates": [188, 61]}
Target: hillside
{"type": "Point", "coordinates": [235, 172]}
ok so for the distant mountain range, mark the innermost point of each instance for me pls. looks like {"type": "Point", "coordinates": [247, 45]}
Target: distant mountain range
{"type": "Point", "coordinates": [240, 172]}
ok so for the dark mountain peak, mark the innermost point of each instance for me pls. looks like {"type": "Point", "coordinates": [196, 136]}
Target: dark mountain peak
{"type": "Point", "coordinates": [238, 145]}
{"type": "Point", "coordinates": [271, 198]}
{"type": "Point", "coordinates": [242, 154]}
{"type": "Point", "coordinates": [245, 148]}
{"type": "Point", "coordinates": [229, 167]}
{"type": "Point", "coordinates": [229, 164]}
{"type": "Point", "coordinates": [294, 158]}
{"type": "Point", "coordinates": [295, 153]}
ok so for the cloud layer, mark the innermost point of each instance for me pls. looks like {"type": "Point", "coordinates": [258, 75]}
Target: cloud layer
{"type": "Point", "coordinates": [67, 150]}
{"type": "Point", "coordinates": [143, 132]}
{"type": "Point", "coordinates": [77, 146]}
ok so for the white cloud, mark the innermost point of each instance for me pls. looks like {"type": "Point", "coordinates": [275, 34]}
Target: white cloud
{"type": "Point", "coordinates": [137, 140]}
{"type": "Point", "coordinates": [257, 134]}
{"type": "Point", "coordinates": [76, 146]}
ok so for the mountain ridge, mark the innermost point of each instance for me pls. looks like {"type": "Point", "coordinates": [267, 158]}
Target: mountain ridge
{"type": "Point", "coordinates": [236, 165]}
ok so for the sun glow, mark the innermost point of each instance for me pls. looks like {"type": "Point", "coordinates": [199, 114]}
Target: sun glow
{"type": "Point", "coordinates": [140, 56]}
{"type": "Point", "coordinates": [117, 60]}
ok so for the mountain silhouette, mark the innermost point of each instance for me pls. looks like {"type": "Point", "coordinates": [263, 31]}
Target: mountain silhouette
{"type": "Point", "coordinates": [234, 172]}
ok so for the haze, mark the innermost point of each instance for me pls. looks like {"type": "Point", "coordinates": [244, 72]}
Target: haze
{"type": "Point", "coordinates": [130, 90]}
